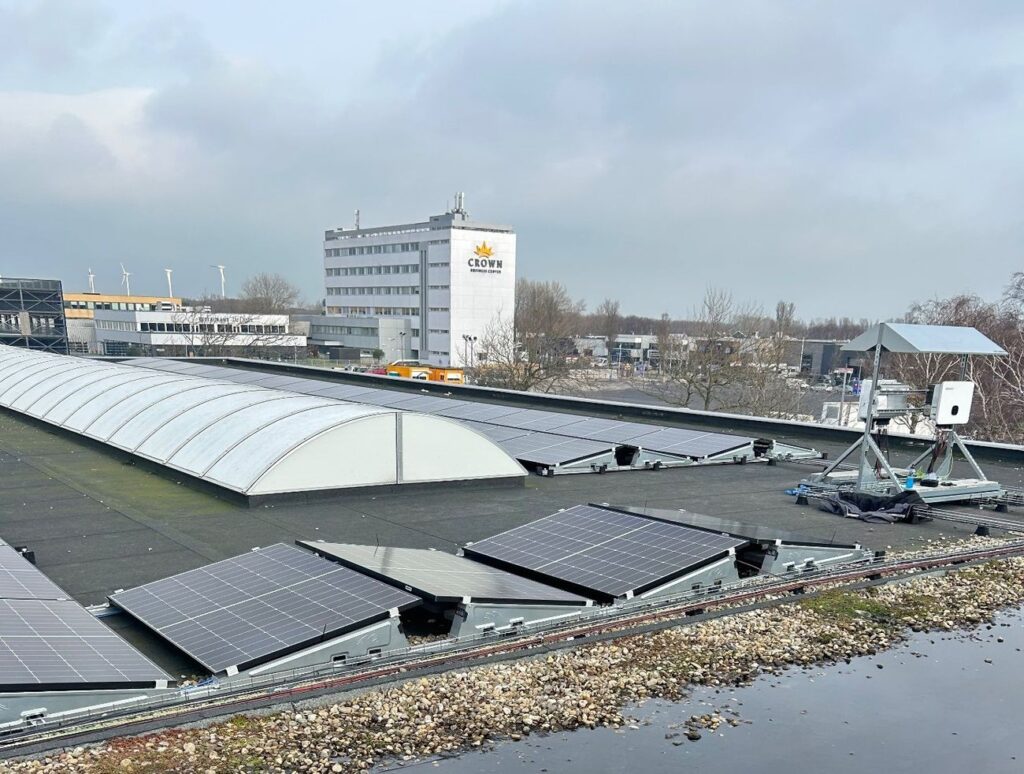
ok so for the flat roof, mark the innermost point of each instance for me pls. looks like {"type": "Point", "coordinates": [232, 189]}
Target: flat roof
{"type": "Point", "coordinates": [97, 522]}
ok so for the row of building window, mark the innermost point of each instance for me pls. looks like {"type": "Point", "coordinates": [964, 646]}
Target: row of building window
{"type": "Point", "coordinates": [439, 330]}
{"type": "Point", "coordinates": [382, 311]}
{"type": "Point", "coordinates": [359, 271]}
{"type": "Point", "coordinates": [404, 247]}
{"type": "Point", "coordinates": [131, 326]}
{"type": "Point", "coordinates": [342, 330]}
{"type": "Point", "coordinates": [398, 311]}
{"type": "Point", "coordinates": [116, 325]}
{"type": "Point", "coordinates": [439, 264]}
{"type": "Point", "coordinates": [114, 306]}
{"type": "Point", "coordinates": [401, 290]}
{"type": "Point", "coordinates": [440, 287]}
{"type": "Point", "coordinates": [439, 309]}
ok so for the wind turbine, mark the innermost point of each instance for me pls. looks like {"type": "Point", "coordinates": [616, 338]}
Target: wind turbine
{"type": "Point", "coordinates": [92, 282]}
{"type": "Point", "coordinates": [220, 267]}
{"type": "Point", "coordinates": [170, 288]}
{"type": "Point", "coordinates": [125, 274]}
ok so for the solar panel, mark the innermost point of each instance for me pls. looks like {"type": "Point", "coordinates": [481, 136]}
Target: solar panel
{"type": "Point", "coordinates": [19, 579]}
{"type": "Point", "coordinates": [611, 430]}
{"type": "Point", "coordinates": [48, 641]}
{"type": "Point", "coordinates": [548, 449]}
{"type": "Point", "coordinates": [496, 432]}
{"type": "Point", "coordinates": [443, 577]}
{"type": "Point", "coordinates": [244, 610]}
{"type": "Point", "coordinates": [603, 552]}
{"type": "Point", "coordinates": [680, 442]}
{"type": "Point", "coordinates": [738, 529]}
{"type": "Point", "coordinates": [52, 644]}
{"type": "Point", "coordinates": [687, 443]}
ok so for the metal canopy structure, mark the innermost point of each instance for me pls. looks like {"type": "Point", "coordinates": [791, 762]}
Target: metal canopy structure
{"type": "Point", "coordinates": [587, 443]}
{"type": "Point", "coordinates": [48, 642]}
{"type": "Point", "coordinates": [242, 437]}
{"type": "Point", "coordinates": [442, 577]}
{"type": "Point", "coordinates": [603, 553]}
{"type": "Point", "coordinates": [246, 610]}
{"type": "Point", "coordinates": [907, 338]}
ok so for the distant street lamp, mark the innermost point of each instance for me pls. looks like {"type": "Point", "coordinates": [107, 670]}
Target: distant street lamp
{"type": "Point", "coordinates": [468, 347]}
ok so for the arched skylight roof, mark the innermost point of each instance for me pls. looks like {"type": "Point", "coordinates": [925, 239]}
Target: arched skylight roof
{"type": "Point", "coordinates": [251, 440]}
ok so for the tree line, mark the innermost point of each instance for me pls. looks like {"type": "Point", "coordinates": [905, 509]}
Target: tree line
{"type": "Point", "coordinates": [728, 356]}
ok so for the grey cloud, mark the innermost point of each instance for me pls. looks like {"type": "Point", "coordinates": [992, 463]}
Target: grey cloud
{"type": "Point", "coordinates": [786, 151]}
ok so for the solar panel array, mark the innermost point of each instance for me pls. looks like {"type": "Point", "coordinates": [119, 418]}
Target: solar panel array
{"type": "Point", "coordinates": [59, 644]}
{"type": "Point", "coordinates": [444, 577]}
{"type": "Point", "coordinates": [601, 551]}
{"type": "Point", "coordinates": [546, 446]}
{"type": "Point", "coordinates": [738, 529]}
{"type": "Point", "coordinates": [247, 609]}
{"type": "Point", "coordinates": [19, 579]}
{"type": "Point", "coordinates": [49, 641]}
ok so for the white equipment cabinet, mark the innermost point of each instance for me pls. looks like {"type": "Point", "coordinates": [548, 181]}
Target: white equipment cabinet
{"type": "Point", "coordinates": [951, 403]}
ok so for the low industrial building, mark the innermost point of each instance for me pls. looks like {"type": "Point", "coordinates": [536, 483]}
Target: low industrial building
{"type": "Point", "coordinates": [188, 332]}
{"type": "Point", "coordinates": [80, 310]}
{"type": "Point", "coordinates": [359, 338]}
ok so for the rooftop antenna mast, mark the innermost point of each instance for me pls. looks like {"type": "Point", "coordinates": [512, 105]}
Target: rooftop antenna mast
{"type": "Point", "coordinates": [223, 287]}
{"type": "Point", "coordinates": [357, 220]}
{"type": "Point", "coordinates": [92, 282]}
{"type": "Point", "coordinates": [460, 205]}
{"type": "Point", "coordinates": [125, 275]}
{"type": "Point", "coordinates": [170, 287]}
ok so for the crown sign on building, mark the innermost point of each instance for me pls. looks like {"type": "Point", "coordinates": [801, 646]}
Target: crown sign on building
{"type": "Point", "coordinates": [483, 250]}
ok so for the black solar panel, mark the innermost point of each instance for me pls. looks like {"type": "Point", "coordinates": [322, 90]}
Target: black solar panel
{"type": "Point", "coordinates": [688, 443]}
{"type": "Point", "coordinates": [444, 577]}
{"type": "Point", "coordinates": [51, 644]}
{"type": "Point", "coordinates": [553, 450]}
{"type": "Point", "coordinates": [21, 580]}
{"type": "Point", "coordinates": [599, 551]}
{"type": "Point", "coordinates": [244, 610]}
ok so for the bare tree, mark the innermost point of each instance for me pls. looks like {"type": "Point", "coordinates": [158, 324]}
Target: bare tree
{"type": "Point", "coordinates": [266, 293]}
{"type": "Point", "coordinates": [714, 358]}
{"type": "Point", "coordinates": [663, 330]}
{"type": "Point", "coordinates": [533, 351]}
{"type": "Point", "coordinates": [761, 387]}
{"type": "Point", "coordinates": [998, 411]}
{"type": "Point", "coordinates": [609, 323]}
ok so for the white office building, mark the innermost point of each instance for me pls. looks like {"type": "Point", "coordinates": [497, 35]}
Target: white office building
{"type": "Point", "coordinates": [189, 331]}
{"type": "Point", "coordinates": [450, 277]}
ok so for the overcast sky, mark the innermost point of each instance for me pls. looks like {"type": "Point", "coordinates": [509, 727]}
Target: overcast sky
{"type": "Point", "coordinates": [850, 157]}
